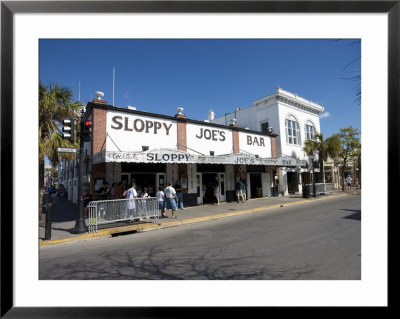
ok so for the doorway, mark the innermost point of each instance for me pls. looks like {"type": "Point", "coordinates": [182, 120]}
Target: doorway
{"type": "Point", "coordinates": [255, 185]}
{"type": "Point", "coordinates": [293, 183]}
{"type": "Point", "coordinates": [143, 180]}
{"type": "Point", "coordinates": [209, 180]}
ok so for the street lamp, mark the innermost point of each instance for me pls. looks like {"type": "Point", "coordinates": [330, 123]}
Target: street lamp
{"type": "Point", "coordinates": [314, 157]}
{"type": "Point", "coordinates": [80, 226]}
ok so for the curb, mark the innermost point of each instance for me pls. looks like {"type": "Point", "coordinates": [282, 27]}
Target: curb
{"type": "Point", "coordinates": [147, 227]}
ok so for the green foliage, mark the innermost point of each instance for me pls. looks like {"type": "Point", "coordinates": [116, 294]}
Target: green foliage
{"type": "Point", "coordinates": [327, 148]}
{"type": "Point", "coordinates": [350, 148]}
{"type": "Point", "coordinates": [55, 105]}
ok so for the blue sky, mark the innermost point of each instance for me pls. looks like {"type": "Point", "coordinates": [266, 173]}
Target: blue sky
{"type": "Point", "coordinates": [160, 75]}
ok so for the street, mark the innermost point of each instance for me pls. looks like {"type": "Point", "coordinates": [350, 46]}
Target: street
{"type": "Point", "coordinates": [314, 241]}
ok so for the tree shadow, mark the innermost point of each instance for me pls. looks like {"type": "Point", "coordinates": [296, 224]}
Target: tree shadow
{"type": "Point", "coordinates": [162, 263]}
{"type": "Point", "coordinates": [355, 216]}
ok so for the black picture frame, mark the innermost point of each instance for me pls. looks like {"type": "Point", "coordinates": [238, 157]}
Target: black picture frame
{"type": "Point", "coordinates": [9, 8]}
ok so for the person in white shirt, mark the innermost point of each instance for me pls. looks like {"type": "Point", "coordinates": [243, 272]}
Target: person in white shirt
{"type": "Point", "coordinates": [161, 202]}
{"type": "Point", "coordinates": [130, 194]}
{"type": "Point", "coordinates": [171, 198]}
{"type": "Point", "coordinates": [349, 180]}
{"type": "Point", "coordinates": [217, 193]}
{"type": "Point", "coordinates": [143, 205]}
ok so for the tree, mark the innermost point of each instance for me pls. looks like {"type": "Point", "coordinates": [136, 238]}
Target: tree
{"type": "Point", "coordinates": [327, 148]}
{"type": "Point", "coordinates": [350, 148]}
{"type": "Point", "coordinates": [54, 106]}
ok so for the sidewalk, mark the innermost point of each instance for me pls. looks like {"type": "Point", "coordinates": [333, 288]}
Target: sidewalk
{"type": "Point", "coordinates": [64, 216]}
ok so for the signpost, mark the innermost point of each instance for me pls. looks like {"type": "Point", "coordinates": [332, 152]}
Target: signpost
{"type": "Point", "coordinates": [67, 150]}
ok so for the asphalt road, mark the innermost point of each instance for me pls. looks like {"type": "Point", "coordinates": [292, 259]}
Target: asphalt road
{"type": "Point", "coordinates": [314, 241]}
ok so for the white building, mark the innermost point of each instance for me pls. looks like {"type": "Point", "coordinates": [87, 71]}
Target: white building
{"type": "Point", "coordinates": [294, 119]}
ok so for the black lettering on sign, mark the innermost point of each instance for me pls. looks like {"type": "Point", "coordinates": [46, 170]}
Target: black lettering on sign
{"type": "Point", "coordinates": [157, 126]}
{"type": "Point", "coordinates": [118, 124]}
{"type": "Point", "coordinates": [255, 141]}
{"type": "Point", "coordinates": [126, 125]}
{"type": "Point", "coordinates": [140, 127]}
{"type": "Point", "coordinates": [149, 125]}
{"type": "Point", "coordinates": [167, 128]}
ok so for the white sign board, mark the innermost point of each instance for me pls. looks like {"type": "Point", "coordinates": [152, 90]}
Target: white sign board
{"type": "Point", "coordinates": [129, 132]}
{"type": "Point", "coordinates": [255, 144]}
{"type": "Point", "coordinates": [66, 150]}
{"type": "Point", "coordinates": [205, 138]}
{"type": "Point", "coordinates": [174, 156]}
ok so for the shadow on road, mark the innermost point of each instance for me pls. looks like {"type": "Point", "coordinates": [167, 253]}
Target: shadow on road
{"type": "Point", "coordinates": [355, 216]}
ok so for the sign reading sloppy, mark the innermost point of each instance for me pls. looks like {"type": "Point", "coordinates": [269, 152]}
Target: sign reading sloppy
{"type": "Point", "coordinates": [139, 125]}
{"type": "Point", "coordinates": [130, 132]}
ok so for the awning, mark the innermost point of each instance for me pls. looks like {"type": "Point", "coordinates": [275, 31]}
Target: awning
{"type": "Point", "coordinates": [177, 156]}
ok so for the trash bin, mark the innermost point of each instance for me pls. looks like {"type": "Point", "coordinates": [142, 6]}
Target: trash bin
{"type": "Point", "coordinates": [274, 191]}
{"type": "Point", "coordinates": [306, 191]}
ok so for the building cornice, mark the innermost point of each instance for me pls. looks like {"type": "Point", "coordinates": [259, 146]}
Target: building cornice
{"type": "Point", "coordinates": [292, 100]}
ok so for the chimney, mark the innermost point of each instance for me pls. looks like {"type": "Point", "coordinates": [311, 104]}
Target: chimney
{"type": "Point", "coordinates": [98, 99]}
{"type": "Point", "coordinates": [211, 115]}
{"type": "Point", "coordinates": [180, 114]}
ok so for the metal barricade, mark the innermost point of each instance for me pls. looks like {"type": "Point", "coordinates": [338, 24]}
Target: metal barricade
{"type": "Point", "coordinates": [111, 211]}
{"type": "Point", "coordinates": [320, 188]}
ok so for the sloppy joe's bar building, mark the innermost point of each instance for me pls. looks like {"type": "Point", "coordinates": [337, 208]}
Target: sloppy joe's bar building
{"type": "Point", "coordinates": [153, 149]}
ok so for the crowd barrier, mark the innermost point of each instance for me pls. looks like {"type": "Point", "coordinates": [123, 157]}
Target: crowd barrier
{"type": "Point", "coordinates": [111, 211]}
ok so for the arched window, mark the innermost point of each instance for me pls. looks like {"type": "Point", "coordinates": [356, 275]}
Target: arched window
{"type": "Point", "coordinates": [309, 131]}
{"type": "Point", "coordinates": [292, 130]}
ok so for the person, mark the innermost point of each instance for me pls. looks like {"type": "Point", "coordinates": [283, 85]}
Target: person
{"type": "Point", "coordinates": [178, 189]}
{"type": "Point", "coordinates": [171, 199]}
{"type": "Point", "coordinates": [348, 181]}
{"type": "Point", "coordinates": [217, 193]}
{"type": "Point", "coordinates": [117, 190]}
{"type": "Point", "coordinates": [356, 182]}
{"type": "Point", "coordinates": [238, 191]}
{"type": "Point", "coordinates": [243, 189]}
{"type": "Point", "coordinates": [130, 194]}
{"type": "Point", "coordinates": [61, 192]}
{"type": "Point", "coordinates": [123, 189]}
{"type": "Point", "coordinates": [161, 200]}
{"type": "Point", "coordinates": [143, 203]}
{"type": "Point", "coordinates": [105, 192]}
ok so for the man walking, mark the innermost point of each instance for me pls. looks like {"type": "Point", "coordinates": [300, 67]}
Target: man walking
{"type": "Point", "coordinates": [170, 195]}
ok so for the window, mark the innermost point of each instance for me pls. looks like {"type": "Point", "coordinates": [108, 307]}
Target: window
{"type": "Point", "coordinates": [292, 131]}
{"type": "Point", "coordinates": [310, 132]}
{"type": "Point", "coordinates": [264, 127]}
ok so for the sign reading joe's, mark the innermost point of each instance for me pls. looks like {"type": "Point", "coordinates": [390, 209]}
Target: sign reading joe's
{"type": "Point", "coordinates": [130, 132]}
{"type": "Point", "coordinates": [205, 139]}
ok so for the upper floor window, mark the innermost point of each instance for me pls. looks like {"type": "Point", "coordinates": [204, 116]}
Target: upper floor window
{"type": "Point", "coordinates": [264, 127]}
{"type": "Point", "coordinates": [292, 131]}
{"type": "Point", "coordinates": [310, 131]}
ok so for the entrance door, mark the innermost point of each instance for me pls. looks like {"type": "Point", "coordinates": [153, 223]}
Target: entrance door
{"type": "Point", "coordinates": [222, 187]}
{"type": "Point", "coordinates": [209, 180]}
{"type": "Point", "coordinates": [292, 182]}
{"type": "Point", "coordinates": [255, 185]}
{"type": "Point", "coordinates": [160, 181]}
{"type": "Point", "coordinates": [147, 180]}
{"type": "Point", "coordinates": [199, 189]}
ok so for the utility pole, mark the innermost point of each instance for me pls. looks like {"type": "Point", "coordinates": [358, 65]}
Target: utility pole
{"type": "Point", "coordinates": [80, 226]}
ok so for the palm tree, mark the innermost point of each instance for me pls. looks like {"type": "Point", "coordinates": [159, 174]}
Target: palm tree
{"type": "Point", "coordinates": [327, 148]}
{"type": "Point", "coordinates": [54, 106]}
